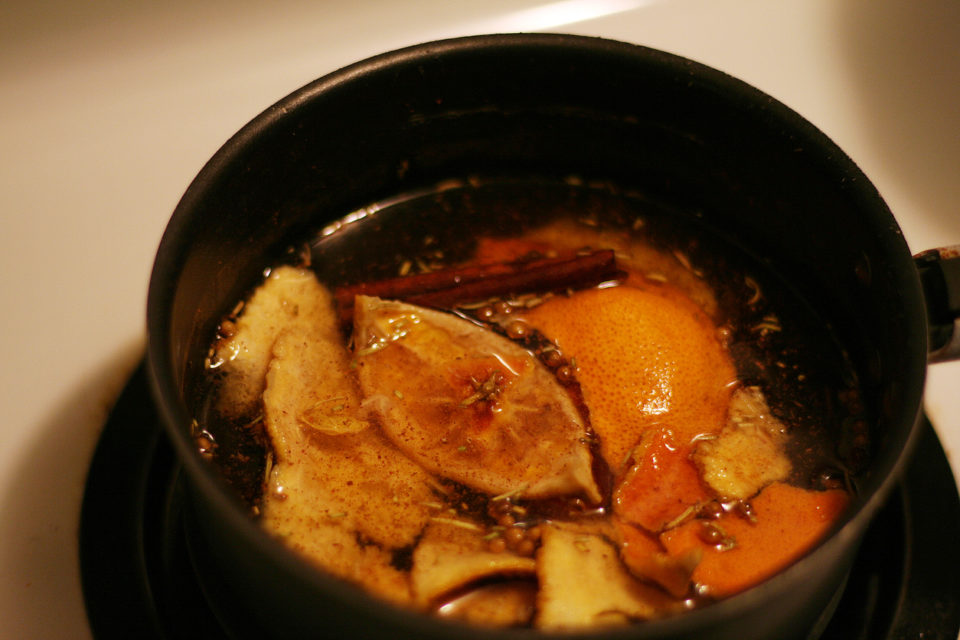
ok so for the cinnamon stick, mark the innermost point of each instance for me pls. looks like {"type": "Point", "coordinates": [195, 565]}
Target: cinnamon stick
{"type": "Point", "coordinates": [458, 285]}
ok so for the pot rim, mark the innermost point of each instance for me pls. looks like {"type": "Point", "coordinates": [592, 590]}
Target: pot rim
{"type": "Point", "coordinates": [206, 481]}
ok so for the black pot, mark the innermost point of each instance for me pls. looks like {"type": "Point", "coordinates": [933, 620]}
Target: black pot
{"type": "Point", "coordinates": [546, 105]}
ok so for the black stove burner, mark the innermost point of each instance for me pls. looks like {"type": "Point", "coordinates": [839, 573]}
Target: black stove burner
{"type": "Point", "coordinates": [141, 578]}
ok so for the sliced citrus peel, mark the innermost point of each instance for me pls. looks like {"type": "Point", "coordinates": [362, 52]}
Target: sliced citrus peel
{"type": "Point", "coordinates": [468, 404]}
{"type": "Point", "coordinates": [661, 484]}
{"type": "Point", "coordinates": [788, 522]}
{"type": "Point", "coordinates": [644, 358]}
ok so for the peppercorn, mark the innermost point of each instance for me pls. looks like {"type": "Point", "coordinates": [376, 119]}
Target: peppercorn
{"type": "Point", "coordinates": [711, 510]}
{"type": "Point", "coordinates": [552, 358]}
{"type": "Point", "coordinates": [710, 534]}
{"type": "Point", "coordinates": [497, 545]}
{"type": "Point", "coordinates": [518, 330]}
{"type": "Point", "coordinates": [525, 547]}
{"type": "Point", "coordinates": [485, 313]}
{"type": "Point", "coordinates": [513, 536]}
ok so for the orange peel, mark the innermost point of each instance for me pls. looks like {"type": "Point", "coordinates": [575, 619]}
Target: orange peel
{"type": "Point", "coordinates": [644, 357]}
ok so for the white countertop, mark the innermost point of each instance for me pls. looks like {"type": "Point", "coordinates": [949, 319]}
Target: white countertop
{"type": "Point", "coordinates": [108, 109]}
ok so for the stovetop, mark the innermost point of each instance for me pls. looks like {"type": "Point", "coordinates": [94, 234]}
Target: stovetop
{"type": "Point", "coordinates": [137, 556]}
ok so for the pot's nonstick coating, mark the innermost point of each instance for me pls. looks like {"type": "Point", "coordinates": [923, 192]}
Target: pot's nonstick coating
{"type": "Point", "coordinates": [545, 105]}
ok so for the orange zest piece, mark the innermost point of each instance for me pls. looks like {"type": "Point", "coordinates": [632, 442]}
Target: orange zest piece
{"type": "Point", "coordinates": [789, 521]}
{"type": "Point", "coordinates": [643, 358]}
{"type": "Point", "coordinates": [661, 485]}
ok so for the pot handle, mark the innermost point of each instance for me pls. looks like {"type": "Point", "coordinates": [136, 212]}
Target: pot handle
{"type": "Point", "coordinates": [940, 276]}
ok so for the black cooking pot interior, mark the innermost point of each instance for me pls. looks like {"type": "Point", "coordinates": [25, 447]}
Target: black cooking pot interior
{"type": "Point", "coordinates": [554, 106]}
